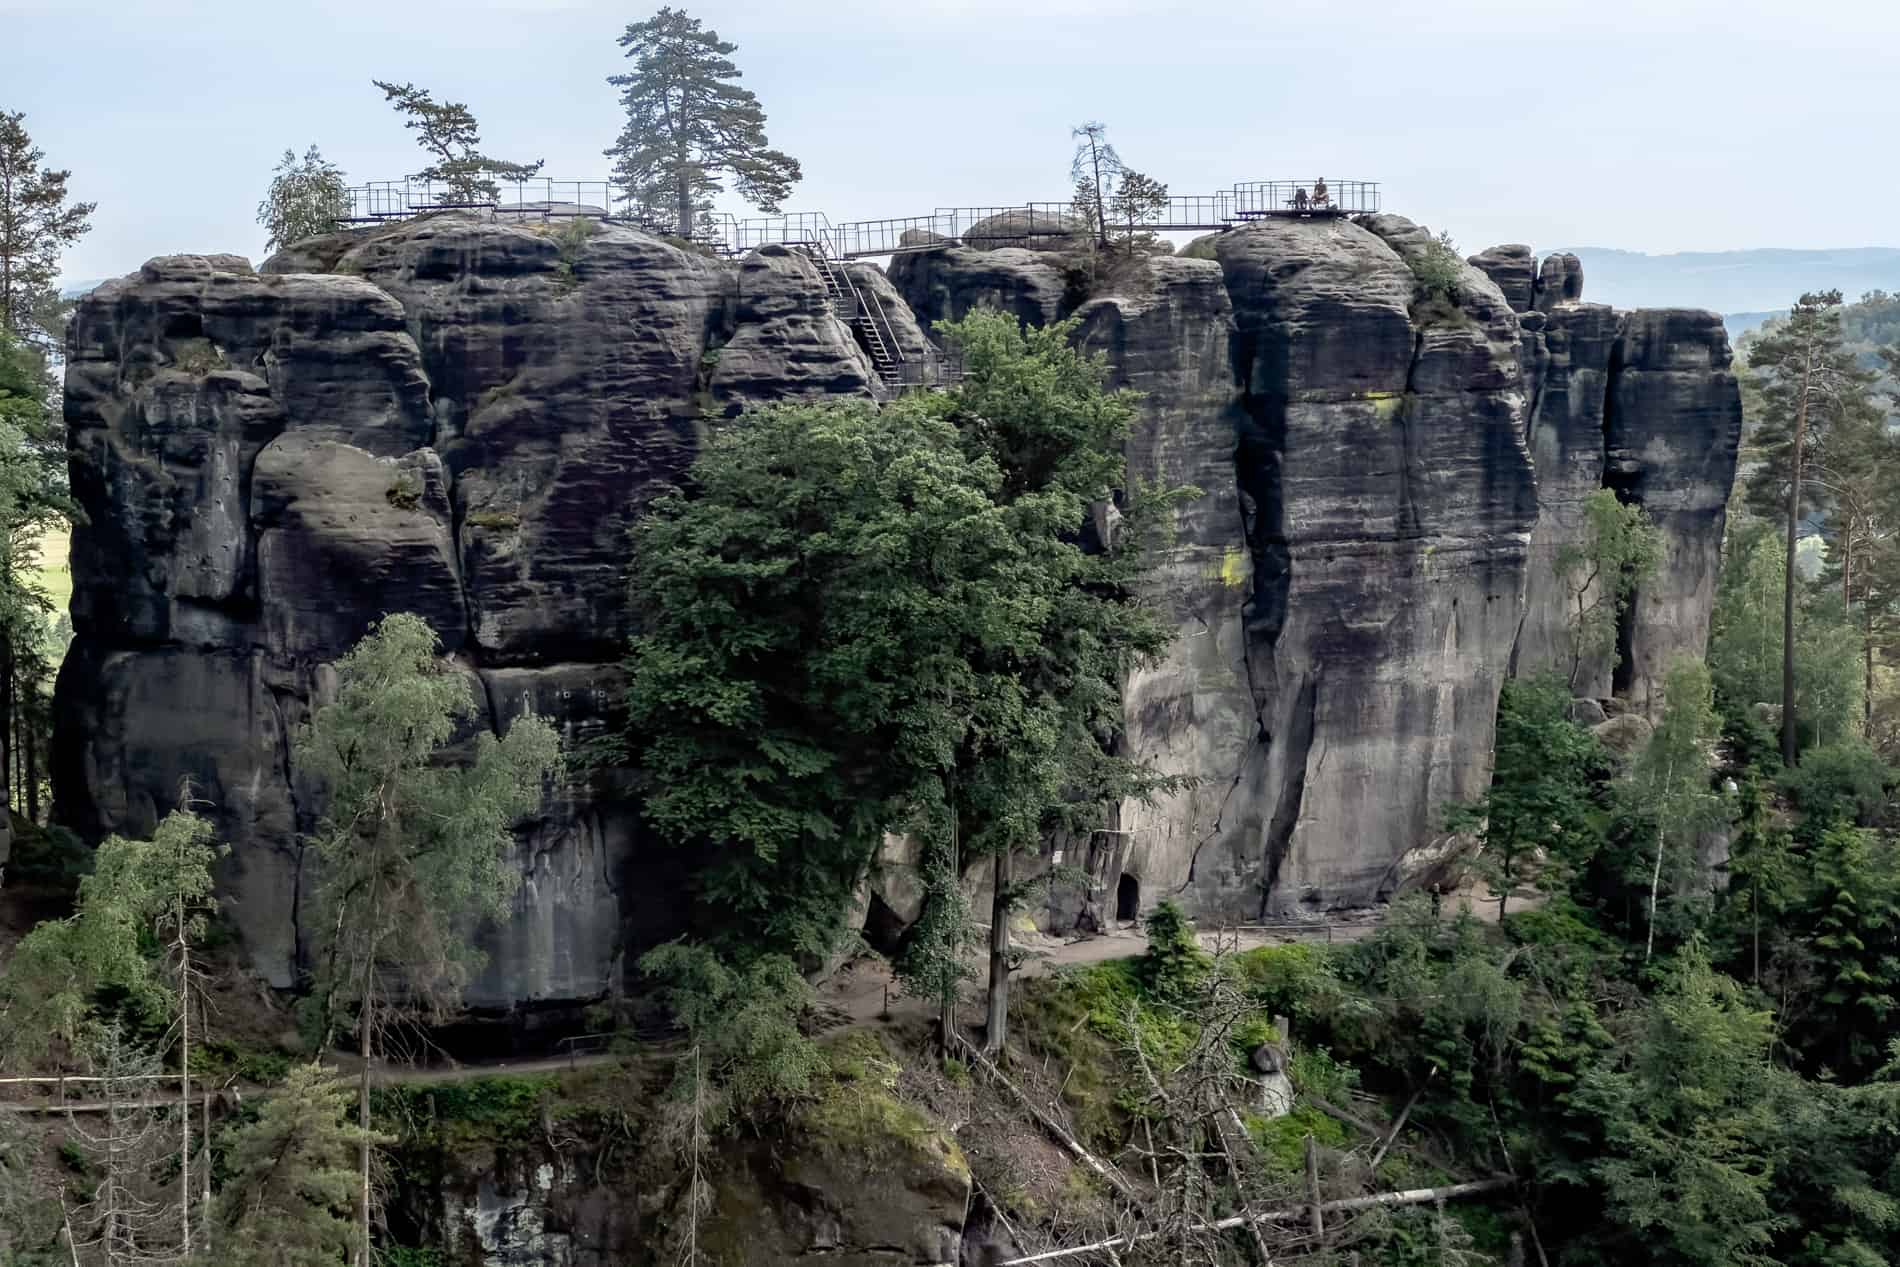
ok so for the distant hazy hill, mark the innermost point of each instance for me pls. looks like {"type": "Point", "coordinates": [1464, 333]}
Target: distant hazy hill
{"type": "Point", "coordinates": [73, 290]}
{"type": "Point", "coordinates": [1745, 284]}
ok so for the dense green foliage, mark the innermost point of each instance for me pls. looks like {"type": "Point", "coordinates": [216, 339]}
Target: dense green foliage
{"type": "Point", "coordinates": [289, 1177]}
{"type": "Point", "coordinates": [308, 196]}
{"type": "Point", "coordinates": [689, 123]}
{"type": "Point", "coordinates": [104, 960]}
{"type": "Point", "coordinates": [1540, 808]}
{"type": "Point", "coordinates": [869, 620]}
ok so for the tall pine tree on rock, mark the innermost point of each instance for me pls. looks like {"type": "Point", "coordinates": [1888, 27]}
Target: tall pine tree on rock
{"type": "Point", "coordinates": [1810, 384]}
{"type": "Point", "coordinates": [689, 124]}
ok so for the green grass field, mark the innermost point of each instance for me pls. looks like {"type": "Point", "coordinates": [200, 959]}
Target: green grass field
{"type": "Point", "coordinates": [54, 577]}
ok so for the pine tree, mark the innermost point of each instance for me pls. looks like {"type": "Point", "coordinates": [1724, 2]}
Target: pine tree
{"type": "Point", "coordinates": [447, 132]}
{"type": "Point", "coordinates": [1808, 384]}
{"type": "Point", "coordinates": [307, 198]}
{"type": "Point", "coordinates": [413, 852]}
{"type": "Point", "coordinates": [37, 223]}
{"type": "Point", "coordinates": [1669, 785]}
{"type": "Point", "coordinates": [689, 123]}
{"type": "Point", "coordinates": [1138, 199]}
{"type": "Point", "coordinates": [290, 1181]}
{"type": "Point", "coordinates": [1095, 169]}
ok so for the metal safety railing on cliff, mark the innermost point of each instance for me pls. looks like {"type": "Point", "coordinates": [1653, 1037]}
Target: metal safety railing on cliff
{"type": "Point", "coordinates": [830, 244]}
{"type": "Point", "coordinates": [1028, 222]}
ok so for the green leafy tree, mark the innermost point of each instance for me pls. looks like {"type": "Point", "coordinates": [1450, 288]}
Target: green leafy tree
{"type": "Point", "coordinates": [1809, 384]}
{"type": "Point", "coordinates": [1620, 550]}
{"type": "Point", "coordinates": [865, 615]}
{"type": "Point", "coordinates": [307, 198]}
{"type": "Point", "coordinates": [1540, 807]}
{"type": "Point", "coordinates": [290, 1177]}
{"type": "Point", "coordinates": [1670, 784]}
{"type": "Point", "coordinates": [413, 851]}
{"type": "Point", "coordinates": [689, 123]}
{"type": "Point", "coordinates": [802, 679]}
{"type": "Point", "coordinates": [38, 221]}
{"type": "Point", "coordinates": [140, 893]}
{"type": "Point", "coordinates": [1096, 169]}
{"type": "Point", "coordinates": [1039, 756]}
{"type": "Point", "coordinates": [448, 133]}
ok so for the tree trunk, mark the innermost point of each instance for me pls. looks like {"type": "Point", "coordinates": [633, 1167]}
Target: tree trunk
{"type": "Point", "coordinates": [184, 1083]}
{"type": "Point", "coordinates": [363, 1027]}
{"type": "Point", "coordinates": [996, 1026]}
{"type": "Point", "coordinates": [1655, 874]}
{"type": "Point", "coordinates": [32, 774]}
{"type": "Point", "coordinates": [683, 191]}
{"type": "Point", "coordinates": [1867, 682]}
{"type": "Point", "coordinates": [1788, 582]}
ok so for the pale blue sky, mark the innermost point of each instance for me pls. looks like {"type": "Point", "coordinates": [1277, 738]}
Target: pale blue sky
{"type": "Point", "coordinates": [1651, 125]}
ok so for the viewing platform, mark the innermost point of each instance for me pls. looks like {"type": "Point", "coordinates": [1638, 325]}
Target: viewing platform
{"type": "Point", "coordinates": [1020, 224]}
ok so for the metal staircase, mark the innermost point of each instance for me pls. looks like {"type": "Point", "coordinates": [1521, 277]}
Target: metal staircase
{"type": "Point", "coordinates": [868, 321]}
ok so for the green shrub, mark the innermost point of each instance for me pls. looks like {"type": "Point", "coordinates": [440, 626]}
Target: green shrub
{"type": "Point", "coordinates": [1174, 963]}
{"type": "Point", "coordinates": [1283, 1139]}
{"type": "Point", "coordinates": [1315, 1072]}
{"type": "Point", "coordinates": [496, 520]}
{"type": "Point", "coordinates": [405, 493]}
{"type": "Point", "coordinates": [1842, 783]}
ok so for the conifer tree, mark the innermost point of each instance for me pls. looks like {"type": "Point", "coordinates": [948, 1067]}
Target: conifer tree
{"type": "Point", "coordinates": [689, 123]}
{"type": "Point", "coordinates": [1809, 384]}
{"type": "Point", "coordinates": [290, 1177]}
{"type": "Point", "coordinates": [38, 221]}
{"type": "Point", "coordinates": [447, 132]}
{"type": "Point", "coordinates": [1095, 169]}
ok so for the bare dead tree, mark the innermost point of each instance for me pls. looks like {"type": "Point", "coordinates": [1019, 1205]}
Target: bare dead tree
{"type": "Point", "coordinates": [129, 1220]}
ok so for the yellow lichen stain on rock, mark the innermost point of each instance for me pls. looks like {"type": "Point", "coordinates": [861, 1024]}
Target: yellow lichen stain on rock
{"type": "Point", "coordinates": [1233, 568]}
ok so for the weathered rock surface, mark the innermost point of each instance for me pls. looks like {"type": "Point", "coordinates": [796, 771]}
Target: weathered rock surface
{"type": "Point", "coordinates": [1512, 268]}
{"type": "Point", "coordinates": [1389, 499]}
{"type": "Point", "coordinates": [1171, 338]}
{"type": "Point", "coordinates": [463, 418]}
{"type": "Point", "coordinates": [460, 418]}
{"type": "Point", "coordinates": [1023, 228]}
{"type": "Point", "coordinates": [947, 284]}
{"type": "Point", "coordinates": [1672, 438]}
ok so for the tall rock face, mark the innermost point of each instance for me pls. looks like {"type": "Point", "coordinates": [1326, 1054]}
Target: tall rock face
{"type": "Point", "coordinates": [449, 416]}
{"type": "Point", "coordinates": [1390, 499]}
{"type": "Point", "coordinates": [1671, 440]}
{"type": "Point", "coordinates": [1646, 404]}
{"type": "Point", "coordinates": [462, 419]}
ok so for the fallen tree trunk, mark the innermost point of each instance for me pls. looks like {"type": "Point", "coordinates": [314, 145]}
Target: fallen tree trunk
{"type": "Point", "coordinates": [1409, 1196]}
{"type": "Point", "coordinates": [1055, 1129]}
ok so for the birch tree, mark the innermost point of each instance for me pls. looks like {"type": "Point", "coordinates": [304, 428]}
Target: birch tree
{"type": "Point", "coordinates": [414, 851]}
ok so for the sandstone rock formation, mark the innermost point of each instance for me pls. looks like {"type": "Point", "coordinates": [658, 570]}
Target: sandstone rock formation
{"type": "Point", "coordinates": [462, 418]}
{"type": "Point", "coordinates": [451, 416]}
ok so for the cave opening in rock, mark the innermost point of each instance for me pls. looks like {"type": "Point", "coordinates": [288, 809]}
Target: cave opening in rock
{"type": "Point", "coordinates": [1128, 898]}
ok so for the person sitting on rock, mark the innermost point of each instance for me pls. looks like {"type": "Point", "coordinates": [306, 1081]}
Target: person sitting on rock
{"type": "Point", "coordinates": [1319, 193]}
{"type": "Point", "coordinates": [1299, 197]}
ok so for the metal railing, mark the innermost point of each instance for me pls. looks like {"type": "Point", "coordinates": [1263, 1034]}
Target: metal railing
{"type": "Point", "coordinates": [1028, 223]}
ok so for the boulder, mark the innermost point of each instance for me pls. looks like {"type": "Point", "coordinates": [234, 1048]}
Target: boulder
{"type": "Point", "coordinates": [787, 342]}
{"type": "Point", "coordinates": [1586, 712]}
{"type": "Point", "coordinates": [1024, 228]}
{"type": "Point", "coordinates": [1624, 735]}
{"type": "Point", "coordinates": [1559, 281]}
{"type": "Point", "coordinates": [946, 285]}
{"type": "Point", "coordinates": [1513, 269]}
{"type": "Point", "coordinates": [1572, 347]}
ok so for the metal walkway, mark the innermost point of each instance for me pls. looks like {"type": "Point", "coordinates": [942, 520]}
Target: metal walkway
{"type": "Point", "coordinates": [829, 244]}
